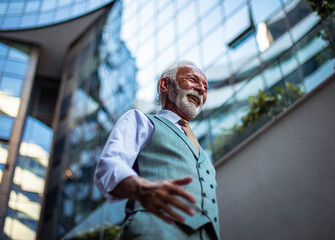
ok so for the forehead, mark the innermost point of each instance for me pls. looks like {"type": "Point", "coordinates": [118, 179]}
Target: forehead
{"type": "Point", "coordinates": [192, 71]}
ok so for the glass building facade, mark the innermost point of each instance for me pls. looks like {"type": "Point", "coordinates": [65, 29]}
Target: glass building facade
{"type": "Point", "coordinates": [258, 56]}
{"type": "Point", "coordinates": [243, 47]}
{"type": "Point", "coordinates": [98, 87]}
{"type": "Point", "coordinates": [23, 14]}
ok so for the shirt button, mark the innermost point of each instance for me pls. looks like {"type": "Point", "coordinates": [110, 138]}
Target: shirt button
{"type": "Point", "coordinates": [207, 171]}
{"type": "Point", "coordinates": [212, 186]}
{"type": "Point", "coordinates": [213, 200]}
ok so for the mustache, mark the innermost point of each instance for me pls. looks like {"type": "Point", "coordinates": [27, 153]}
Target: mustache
{"type": "Point", "coordinates": [194, 93]}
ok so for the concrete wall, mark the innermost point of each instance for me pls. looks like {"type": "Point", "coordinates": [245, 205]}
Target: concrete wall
{"type": "Point", "coordinates": [281, 183]}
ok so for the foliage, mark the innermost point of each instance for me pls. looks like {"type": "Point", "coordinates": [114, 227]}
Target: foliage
{"type": "Point", "coordinates": [326, 11]}
{"type": "Point", "coordinates": [262, 108]}
{"type": "Point", "coordinates": [110, 232]}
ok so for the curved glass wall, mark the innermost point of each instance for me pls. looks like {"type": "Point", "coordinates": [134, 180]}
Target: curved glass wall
{"type": "Point", "coordinates": [23, 14]}
{"type": "Point", "coordinates": [243, 46]}
{"type": "Point", "coordinates": [24, 205]}
{"type": "Point", "coordinates": [99, 86]}
{"type": "Point", "coordinates": [14, 60]}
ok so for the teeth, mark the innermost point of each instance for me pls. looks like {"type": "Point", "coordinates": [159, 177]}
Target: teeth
{"type": "Point", "coordinates": [194, 98]}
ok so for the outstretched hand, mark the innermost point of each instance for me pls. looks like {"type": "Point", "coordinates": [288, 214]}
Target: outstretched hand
{"type": "Point", "coordinates": [158, 197]}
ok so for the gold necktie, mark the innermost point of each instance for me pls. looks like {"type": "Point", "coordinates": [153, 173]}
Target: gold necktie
{"type": "Point", "coordinates": [186, 127]}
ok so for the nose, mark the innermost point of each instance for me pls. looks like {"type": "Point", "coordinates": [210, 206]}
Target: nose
{"type": "Point", "coordinates": [200, 88]}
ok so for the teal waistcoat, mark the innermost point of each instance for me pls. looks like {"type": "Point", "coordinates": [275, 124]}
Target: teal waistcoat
{"type": "Point", "coordinates": [170, 154]}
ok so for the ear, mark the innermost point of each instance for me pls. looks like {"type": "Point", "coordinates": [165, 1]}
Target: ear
{"type": "Point", "coordinates": [164, 84]}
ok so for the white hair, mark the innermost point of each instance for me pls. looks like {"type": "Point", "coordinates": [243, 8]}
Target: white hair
{"type": "Point", "coordinates": [171, 73]}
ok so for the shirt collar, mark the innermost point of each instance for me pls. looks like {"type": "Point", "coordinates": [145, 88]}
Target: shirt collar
{"type": "Point", "coordinates": [169, 115]}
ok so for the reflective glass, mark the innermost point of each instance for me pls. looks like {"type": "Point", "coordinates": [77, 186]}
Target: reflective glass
{"type": "Point", "coordinates": [188, 40]}
{"type": "Point", "coordinates": [45, 18]}
{"type": "Point", "coordinates": [3, 49]}
{"type": "Point", "coordinates": [28, 21]}
{"type": "Point", "coordinates": [10, 22]}
{"type": "Point", "coordinates": [237, 23]}
{"type": "Point", "coordinates": [229, 5]}
{"type": "Point", "coordinates": [213, 46]}
{"type": "Point", "coordinates": [48, 5]}
{"type": "Point", "coordinates": [204, 6]}
{"type": "Point", "coordinates": [32, 6]}
{"type": "Point", "coordinates": [3, 8]}
{"type": "Point", "coordinates": [6, 125]}
{"type": "Point", "coordinates": [263, 9]}
{"type": "Point", "coordinates": [15, 7]}
{"type": "Point", "coordinates": [186, 17]}
{"type": "Point", "coordinates": [15, 67]}
{"type": "Point", "coordinates": [211, 20]}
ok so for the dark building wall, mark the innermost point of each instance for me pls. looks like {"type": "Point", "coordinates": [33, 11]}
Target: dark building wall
{"type": "Point", "coordinates": [280, 184]}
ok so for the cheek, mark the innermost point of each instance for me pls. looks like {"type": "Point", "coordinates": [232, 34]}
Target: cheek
{"type": "Point", "coordinates": [205, 97]}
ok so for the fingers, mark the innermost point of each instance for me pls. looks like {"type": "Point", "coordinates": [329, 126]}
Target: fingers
{"type": "Point", "coordinates": [182, 181]}
{"type": "Point", "coordinates": [176, 190]}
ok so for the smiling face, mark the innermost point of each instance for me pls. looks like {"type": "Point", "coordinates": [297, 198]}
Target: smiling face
{"type": "Point", "coordinates": [188, 94]}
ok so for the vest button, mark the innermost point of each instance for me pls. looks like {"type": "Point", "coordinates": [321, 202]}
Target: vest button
{"type": "Point", "coordinates": [202, 179]}
{"type": "Point", "coordinates": [204, 194]}
{"type": "Point", "coordinates": [204, 212]}
{"type": "Point", "coordinates": [212, 186]}
{"type": "Point", "coordinates": [213, 200]}
{"type": "Point", "coordinates": [207, 171]}
{"type": "Point", "coordinates": [215, 219]}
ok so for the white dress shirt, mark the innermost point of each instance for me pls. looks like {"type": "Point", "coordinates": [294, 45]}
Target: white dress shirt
{"type": "Point", "coordinates": [129, 136]}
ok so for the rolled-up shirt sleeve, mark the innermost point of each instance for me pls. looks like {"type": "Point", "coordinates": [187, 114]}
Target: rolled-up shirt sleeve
{"type": "Point", "coordinates": [129, 136]}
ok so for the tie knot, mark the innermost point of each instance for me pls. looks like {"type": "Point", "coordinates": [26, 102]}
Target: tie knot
{"type": "Point", "coordinates": [183, 122]}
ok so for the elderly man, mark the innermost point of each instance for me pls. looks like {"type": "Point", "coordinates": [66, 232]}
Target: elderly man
{"type": "Point", "coordinates": [156, 162]}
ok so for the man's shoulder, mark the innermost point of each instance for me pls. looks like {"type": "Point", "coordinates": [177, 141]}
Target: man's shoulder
{"type": "Point", "coordinates": [135, 115]}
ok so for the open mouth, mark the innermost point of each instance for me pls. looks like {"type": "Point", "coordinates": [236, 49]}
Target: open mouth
{"type": "Point", "coordinates": [194, 99]}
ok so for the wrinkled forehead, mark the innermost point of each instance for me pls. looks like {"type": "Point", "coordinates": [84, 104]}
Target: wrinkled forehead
{"type": "Point", "coordinates": [190, 69]}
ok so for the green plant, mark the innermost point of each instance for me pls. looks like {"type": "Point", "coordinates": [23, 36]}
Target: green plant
{"type": "Point", "coordinates": [262, 108]}
{"type": "Point", "coordinates": [110, 232]}
{"type": "Point", "coordinates": [326, 11]}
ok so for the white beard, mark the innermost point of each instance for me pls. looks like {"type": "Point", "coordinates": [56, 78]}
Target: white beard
{"type": "Point", "coordinates": [179, 97]}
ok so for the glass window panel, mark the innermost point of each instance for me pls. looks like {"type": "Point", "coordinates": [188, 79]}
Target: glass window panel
{"type": "Point", "coordinates": [165, 15]}
{"type": "Point", "coordinates": [11, 86]}
{"type": "Point", "coordinates": [28, 21]}
{"type": "Point", "coordinates": [38, 133]}
{"type": "Point", "coordinates": [166, 35]}
{"type": "Point", "coordinates": [63, 13]}
{"type": "Point", "coordinates": [146, 53]}
{"type": "Point", "coordinates": [6, 125]}
{"type": "Point", "coordinates": [2, 63]}
{"type": "Point", "coordinates": [251, 88]}
{"type": "Point", "coordinates": [188, 40]}
{"type": "Point", "coordinates": [16, 54]}
{"type": "Point", "coordinates": [288, 62]}
{"type": "Point", "coordinates": [15, 67]}
{"type": "Point", "coordinates": [32, 6]}
{"type": "Point", "coordinates": [15, 7]}
{"type": "Point", "coordinates": [3, 8]}
{"type": "Point", "coordinates": [79, 8]}
{"type": "Point", "coordinates": [262, 10]}
{"type": "Point", "coordinates": [147, 32]}
{"type": "Point", "coordinates": [212, 19]}
{"type": "Point", "coordinates": [147, 13]}
{"type": "Point", "coordinates": [244, 53]}
{"type": "Point", "coordinates": [204, 6]}
{"type": "Point", "coordinates": [48, 5]}
{"type": "Point", "coordinates": [11, 22]}
{"type": "Point", "coordinates": [237, 23]}
{"type": "Point", "coordinates": [272, 75]}
{"type": "Point", "coordinates": [45, 18]}
{"type": "Point", "coordinates": [193, 56]}
{"type": "Point", "coordinates": [3, 152]}
{"type": "Point", "coordinates": [3, 49]}
{"type": "Point", "coordinates": [186, 17]}
{"type": "Point", "coordinates": [230, 5]}
{"type": "Point", "coordinates": [213, 46]}
{"type": "Point", "coordinates": [64, 2]}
